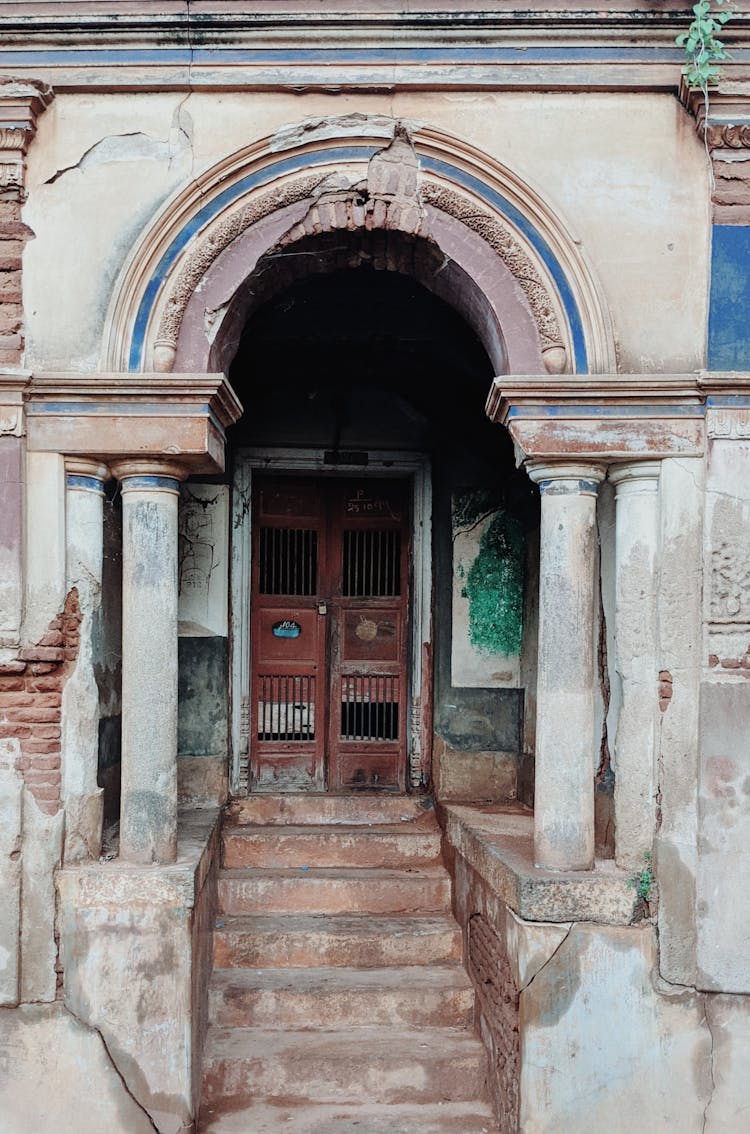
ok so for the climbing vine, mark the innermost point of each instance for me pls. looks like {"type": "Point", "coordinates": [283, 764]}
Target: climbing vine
{"type": "Point", "coordinates": [704, 51]}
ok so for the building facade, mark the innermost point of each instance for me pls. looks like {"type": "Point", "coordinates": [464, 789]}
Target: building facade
{"type": "Point", "coordinates": [374, 418]}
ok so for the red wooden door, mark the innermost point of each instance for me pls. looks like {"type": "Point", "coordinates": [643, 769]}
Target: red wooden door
{"type": "Point", "coordinates": [329, 634]}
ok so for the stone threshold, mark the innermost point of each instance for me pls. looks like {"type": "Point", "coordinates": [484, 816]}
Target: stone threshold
{"type": "Point", "coordinates": [497, 841]}
{"type": "Point", "coordinates": [116, 882]}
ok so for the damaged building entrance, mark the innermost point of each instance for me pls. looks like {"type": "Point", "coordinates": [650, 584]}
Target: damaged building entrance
{"type": "Point", "coordinates": [329, 635]}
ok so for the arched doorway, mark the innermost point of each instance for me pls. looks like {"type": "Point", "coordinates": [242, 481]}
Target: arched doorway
{"type": "Point", "coordinates": [372, 476]}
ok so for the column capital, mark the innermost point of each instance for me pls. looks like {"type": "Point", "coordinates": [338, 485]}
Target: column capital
{"type": "Point", "coordinates": [566, 479]}
{"type": "Point", "coordinates": [85, 475]}
{"type": "Point", "coordinates": [635, 476]}
{"type": "Point", "coordinates": [154, 475]}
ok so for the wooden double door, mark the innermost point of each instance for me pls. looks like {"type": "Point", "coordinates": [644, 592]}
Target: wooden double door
{"type": "Point", "coordinates": [329, 634]}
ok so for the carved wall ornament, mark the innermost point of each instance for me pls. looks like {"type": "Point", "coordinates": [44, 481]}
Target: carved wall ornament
{"type": "Point", "coordinates": [730, 581]}
{"type": "Point", "coordinates": [728, 422]}
{"type": "Point", "coordinates": [389, 199]}
{"type": "Point", "coordinates": [503, 241]}
{"type": "Point", "coordinates": [21, 103]}
{"type": "Point", "coordinates": [728, 136]}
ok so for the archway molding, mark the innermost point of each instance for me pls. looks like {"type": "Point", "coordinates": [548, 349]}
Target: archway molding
{"type": "Point", "coordinates": [485, 241]}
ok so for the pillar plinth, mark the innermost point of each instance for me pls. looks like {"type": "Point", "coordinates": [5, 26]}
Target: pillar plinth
{"type": "Point", "coordinates": [148, 809]}
{"type": "Point", "coordinates": [564, 784]}
{"type": "Point", "coordinates": [636, 565]}
{"type": "Point", "coordinates": [81, 794]}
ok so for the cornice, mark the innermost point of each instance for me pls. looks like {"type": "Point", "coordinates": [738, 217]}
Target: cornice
{"type": "Point", "coordinates": [602, 417]}
{"type": "Point", "coordinates": [370, 44]}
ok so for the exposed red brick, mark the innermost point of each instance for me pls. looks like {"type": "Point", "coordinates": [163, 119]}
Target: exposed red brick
{"type": "Point", "coordinates": [34, 746]}
{"type": "Point", "coordinates": [17, 731]}
{"type": "Point", "coordinates": [46, 763]}
{"type": "Point", "coordinates": [29, 715]}
{"type": "Point", "coordinates": [730, 663]}
{"type": "Point", "coordinates": [713, 660]}
{"type": "Point", "coordinates": [43, 653]}
{"type": "Point", "coordinates": [45, 731]}
{"type": "Point", "coordinates": [42, 667]}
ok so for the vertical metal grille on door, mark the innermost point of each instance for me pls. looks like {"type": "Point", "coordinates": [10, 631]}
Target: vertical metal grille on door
{"type": "Point", "coordinates": [370, 708]}
{"type": "Point", "coordinates": [372, 563]}
{"type": "Point", "coordinates": [288, 561]}
{"type": "Point", "coordinates": [286, 708]}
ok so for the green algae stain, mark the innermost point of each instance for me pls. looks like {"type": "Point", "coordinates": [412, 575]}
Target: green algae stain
{"type": "Point", "coordinates": [494, 588]}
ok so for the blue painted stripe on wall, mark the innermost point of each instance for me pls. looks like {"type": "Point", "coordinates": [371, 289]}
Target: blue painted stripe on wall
{"type": "Point", "coordinates": [90, 483]}
{"type": "Point", "coordinates": [142, 481]}
{"type": "Point", "coordinates": [214, 206]}
{"type": "Point", "coordinates": [346, 153]}
{"type": "Point", "coordinates": [729, 305]}
{"type": "Point", "coordinates": [719, 400]}
{"type": "Point", "coordinates": [573, 411]}
{"type": "Point", "coordinates": [127, 409]}
{"type": "Point", "coordinates": [449, 56]}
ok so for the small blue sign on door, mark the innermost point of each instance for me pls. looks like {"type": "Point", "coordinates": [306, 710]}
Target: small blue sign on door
{"type": "Point", "coordinates": [287, 628]}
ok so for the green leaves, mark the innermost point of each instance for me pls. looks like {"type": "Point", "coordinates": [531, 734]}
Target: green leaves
{"type": "Point", "coordinates": [701, 43]}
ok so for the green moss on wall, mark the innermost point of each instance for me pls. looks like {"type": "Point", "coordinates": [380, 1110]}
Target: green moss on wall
{"type": "Point", "coordinates": [494, 588]}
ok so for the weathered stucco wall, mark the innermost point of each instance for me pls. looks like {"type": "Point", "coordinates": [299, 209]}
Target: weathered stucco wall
{"type": "Point", "coordinates": [626, 172]}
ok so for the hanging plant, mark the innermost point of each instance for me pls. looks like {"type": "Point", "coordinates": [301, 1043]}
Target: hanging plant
{"type": "Point", "coordinates": [704, 51]}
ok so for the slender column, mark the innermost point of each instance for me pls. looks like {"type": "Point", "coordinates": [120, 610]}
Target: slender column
{"type": "Point", "coordinates": [564, 788]}
{"type": "Point", "coordinates": [148, 809]}
{"type": "Point", "coordinates": [80, 704]}
{"type": "Point", "coordinates": [636, 564]}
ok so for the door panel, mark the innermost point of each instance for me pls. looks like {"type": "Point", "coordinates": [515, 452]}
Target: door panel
{"type": "Point", "coordinates": [329, 634]}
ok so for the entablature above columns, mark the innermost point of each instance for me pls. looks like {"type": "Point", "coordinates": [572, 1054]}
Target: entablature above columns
{"type": "Point", "coordinates": [155, 417]}
{"type": "Point", "coordinates": [610, 418]}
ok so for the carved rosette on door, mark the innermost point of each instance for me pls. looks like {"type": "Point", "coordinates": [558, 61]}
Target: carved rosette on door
{"type": "Point", "coordinates": [329, 634]}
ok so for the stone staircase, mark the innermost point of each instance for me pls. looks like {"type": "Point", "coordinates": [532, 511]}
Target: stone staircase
{"type": "Point", "coordinates": [338, 1002]}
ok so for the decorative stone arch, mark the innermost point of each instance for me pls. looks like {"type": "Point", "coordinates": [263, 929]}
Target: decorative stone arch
{"type": "Point", "coordinates": [409, 199]}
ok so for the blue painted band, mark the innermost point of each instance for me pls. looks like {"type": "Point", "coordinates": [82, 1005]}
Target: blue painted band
{"type": "Point", "coordinates": [386, 56]}
{"type": "Point", "coordinates": [356, 153]}
{"type": "Point", "coordinates": [91, 483]}
{"type": "Point", "coordinates": [569, 487]}
{"type": "Point", "coordinates": [719, 400]}
{"type": "Point", "coordinates": [130, 409]}
{"type": "Point", "coordinates": [615, 411]}
{"type": "Point", "coordinates": [169, 482]}
{"type": "Point", "coordinates": [210, 210]}
{"type": "Point", "coordinates": [728, 328]}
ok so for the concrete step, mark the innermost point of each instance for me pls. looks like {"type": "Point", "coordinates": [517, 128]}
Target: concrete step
{"type": "Point", "coordinates": [326, 846]}
{"type": "Point", "coordinates": [378, 1065]}
{"type": "Point", "coordinates": [344, 940]}
{"type": "Point", "coordinates": [264, 1117]}
{"type": "Point", "coordinates": [351, 810]}
{"type": "Point", "coordinates": [334, 891]}
{"type": "Point", "coordinates": [326, 998]}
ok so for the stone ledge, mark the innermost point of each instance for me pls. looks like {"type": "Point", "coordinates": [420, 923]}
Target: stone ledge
{"type": "Point", "coordinates": [498, 843]}
{"type": "Point", "coordinates": [122, 883]}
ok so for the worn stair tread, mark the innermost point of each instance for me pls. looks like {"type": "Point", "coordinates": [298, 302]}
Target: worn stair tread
{"type": "Point", "coordinates": [344, 1065]}
{"type": "Point", "coordinates": [323, 998]}
{"type": "Point", "coordinates": [390, 976]}
{"type": "Point", "coordinates": [263, 1117]}
{"type": "Point", "coordinates": [346, 846]}
{"type": "Point", "coordinates": [299, 940]}
{"type": "Point", "coordinates": [333, 890]}
{"type": "Point", "coordinates": [362, 809]}
{"type": "Point", "coordinates": [333, 873]}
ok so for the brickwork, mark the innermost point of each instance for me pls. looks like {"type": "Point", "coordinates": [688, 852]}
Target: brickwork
{"type": "Point", "coordinates": [13, 236]}
{"type": "Point", "coordinates": [31, 699]}
{"type": "Point", "coordinates": [498, 996]}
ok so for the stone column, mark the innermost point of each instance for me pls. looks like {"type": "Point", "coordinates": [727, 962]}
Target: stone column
{"type": "Point", "coordinates": [81, 794]}
{"type": "Point", "coordinates": [636, 565]}
{"type": "Point", "coordinates": [148, 809]}
{"type": "Point", "coordinates": [564, 788]}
